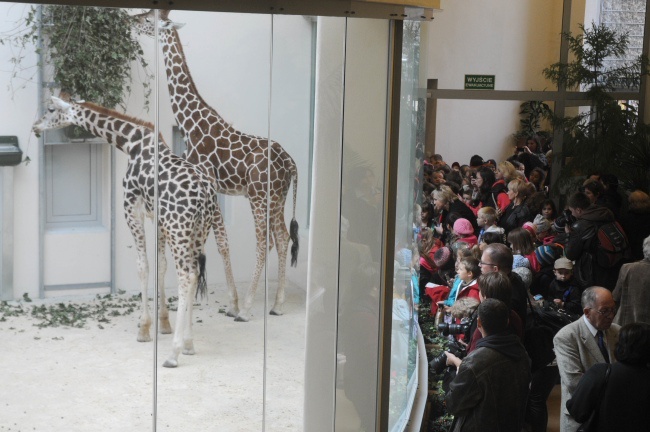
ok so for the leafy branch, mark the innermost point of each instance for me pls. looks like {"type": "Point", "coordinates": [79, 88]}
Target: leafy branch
{"type": "Point", "coordinates": [90, 50]}
{"type": "Point", "coordinates": [607, 136]}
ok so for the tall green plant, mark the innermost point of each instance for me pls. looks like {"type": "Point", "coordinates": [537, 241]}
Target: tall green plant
{"type": "Point", "coordinates": [602, 136]}
{"type": "Point", "coordinates": [531, 114]}
{"type": "Point", "coordinates": [91, 50]}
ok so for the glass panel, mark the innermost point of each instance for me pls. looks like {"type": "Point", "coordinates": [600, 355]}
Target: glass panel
{"type": "Point", "coordinates": [215, 68]}
{"type": "Point", "coordinates": [315, 86]}
{"type": "Point", "coordinates": [70, 355]}
{"type": "Point", "coordinates": [411, 142]}
{"type": "Point", "coordinates": [321, 384]}
{"type": "Point", "coordinates": [290, 127]}
{"type": "Point", "coordinates": [363, 156]}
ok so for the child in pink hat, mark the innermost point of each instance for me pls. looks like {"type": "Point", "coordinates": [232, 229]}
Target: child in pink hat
{"type": "Point", "coordinates": [465, 231]}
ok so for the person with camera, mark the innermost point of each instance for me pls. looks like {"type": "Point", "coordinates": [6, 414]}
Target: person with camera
{"type": "Point", "coordinates": [581, 243]}
{"type": "Point", "coordinates": [495, 285]}
{"type": "Point", "coordinates": [490, 389]}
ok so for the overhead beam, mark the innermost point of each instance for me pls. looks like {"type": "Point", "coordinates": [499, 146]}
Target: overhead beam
{"type": "Point", "coordinates": [421, 10]}
{"type": "Point", "coordinates": [517, 95]}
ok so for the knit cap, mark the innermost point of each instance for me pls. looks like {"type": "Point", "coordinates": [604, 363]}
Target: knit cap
{"type": "Point", "coordinates": [541, 223]}
{"type": "Point", "coordinates": [441, 256]}
{"type": "Point", "coordinates": [559, 224]}
{"type": "Point", "coordinates": [530, 227]}
{"type": "Point", "coordinates": [546, 255]}
{"type": "Point", "coordinates": [463, 227]}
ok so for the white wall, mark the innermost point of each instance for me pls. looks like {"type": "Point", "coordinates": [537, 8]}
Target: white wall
{"type": "Point", "coordinates": [18, 110]}
{"type": "Point", "coordinates": [513, 40]}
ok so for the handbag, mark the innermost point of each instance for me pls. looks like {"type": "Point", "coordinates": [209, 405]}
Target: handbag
{"type": "Point", "coordinates": [591, 425]}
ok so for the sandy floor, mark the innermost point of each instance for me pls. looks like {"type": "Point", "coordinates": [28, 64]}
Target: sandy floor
{"type": "Point", "coordinates": [94, 379]}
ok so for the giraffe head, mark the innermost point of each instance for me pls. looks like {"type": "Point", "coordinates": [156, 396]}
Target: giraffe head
{"type": "Point", "coordinates": [144, 23]}
{"type": "Point", "coordinates": [59, 114]}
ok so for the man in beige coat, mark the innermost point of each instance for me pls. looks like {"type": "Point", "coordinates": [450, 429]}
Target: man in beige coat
{"type": "Point", "coordinates": [589, 340]}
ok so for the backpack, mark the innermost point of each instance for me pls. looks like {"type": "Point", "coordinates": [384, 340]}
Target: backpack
{"type": "Point", "coordinates": [542, 325]}
{"type": "Point", "coordinates": [611, 245]}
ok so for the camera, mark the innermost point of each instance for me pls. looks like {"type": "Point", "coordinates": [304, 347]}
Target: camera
{"type": "Point", "coordinates": [566, 218]}
{"type": "Point", "coordinates": [454, 329]}
{"type": "Point", "coordinates": [439, 364]}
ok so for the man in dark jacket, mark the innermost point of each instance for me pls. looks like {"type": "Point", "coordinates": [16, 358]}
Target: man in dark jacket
{"type": "Point", "coordinates": [582, 241]}
{"type": "Point", "coordinates": [490, 389]}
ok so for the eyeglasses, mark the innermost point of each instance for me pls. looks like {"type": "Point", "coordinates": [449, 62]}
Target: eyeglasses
{"type": "Point", "coordinates": [481, 263]}
{"type": "Point", "coordinates": [609, 311]}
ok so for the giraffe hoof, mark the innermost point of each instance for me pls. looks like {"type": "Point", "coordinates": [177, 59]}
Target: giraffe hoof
{"type": "Point", "coordinates": [276, 312]}
{"type": "Point", "coordinates": [241, 318]}
{"type": "Point", "coordinates": [232, 313]}
{"type": "Point", "coordinates": [144, 337]}
{"type": "Point", "coordinates": [165, 328]}
{"type": "Point", "coordinates": [189, 351]}
{"type": "Point", "coordinates": [170, 363]}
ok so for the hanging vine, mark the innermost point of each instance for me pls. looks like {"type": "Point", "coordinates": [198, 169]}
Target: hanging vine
{"type": "Point", "coordinates": [90, 50]}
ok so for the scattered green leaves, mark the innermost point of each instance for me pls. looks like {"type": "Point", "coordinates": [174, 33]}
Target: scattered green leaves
{"type": "Point", "coordinates": [77, 315]}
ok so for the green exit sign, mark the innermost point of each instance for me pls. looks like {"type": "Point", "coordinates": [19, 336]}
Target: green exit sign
{"type": "Point", "coordinates": [479, 82]}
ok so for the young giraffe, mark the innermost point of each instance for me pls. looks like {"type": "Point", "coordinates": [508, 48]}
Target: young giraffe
{"type": "Point", "coordinates": [237, 161]}
{"type": "Point", "coordinates": [187, 207]}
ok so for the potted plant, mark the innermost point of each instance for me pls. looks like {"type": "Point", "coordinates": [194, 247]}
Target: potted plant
{"type": "Point", "coordinates": [531, 113]}
{"type": "Point", "coordinates": [608, 136]}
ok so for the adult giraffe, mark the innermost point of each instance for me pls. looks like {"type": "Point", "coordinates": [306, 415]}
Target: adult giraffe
{"type": "Point", "coordinates": [187, 208]}
{"type": "Point", "coordinates": [238, 162]}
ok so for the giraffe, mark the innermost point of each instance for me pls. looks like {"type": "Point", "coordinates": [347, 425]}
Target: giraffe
{"type": "Point", "coordinates": [237, 162]}
{"type": "Point", "coordinates": [187, 208]}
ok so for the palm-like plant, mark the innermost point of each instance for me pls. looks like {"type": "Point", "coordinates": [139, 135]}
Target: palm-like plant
{"type": "Point", "coordinates": [607, 136]}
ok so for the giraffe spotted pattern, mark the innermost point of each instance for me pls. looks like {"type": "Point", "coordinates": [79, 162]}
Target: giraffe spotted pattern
{"type": "Point", "coordinates": [237, 162]}
{"type": "Point", "coordinates": [187, 208]}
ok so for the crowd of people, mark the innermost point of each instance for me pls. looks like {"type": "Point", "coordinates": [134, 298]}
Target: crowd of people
{"type": "Point", "coordinates": [493, 246]}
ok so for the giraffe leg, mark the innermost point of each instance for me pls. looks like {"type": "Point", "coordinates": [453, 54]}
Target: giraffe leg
{"type": "Point", "coordinates": [219, 229]}
{"type": "Point", "coordinates": [259, 214]}
{"type": "Point", "coordinates": [163, 312]}
{"type": "Point", "coordinates": [135, 222]}
{"type": "Point", "coordinates": [182, 339]}
{"type": "Point", "coordinates": [282, 244]}
{"type": "Point", "coordinates": [145, 317]}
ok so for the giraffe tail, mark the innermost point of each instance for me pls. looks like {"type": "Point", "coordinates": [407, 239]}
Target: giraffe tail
{"type": "Point", "coordinates": [293, 233]}
{"type": "Point", "coordinates": [293, 226]}
{"type": "Point", "coordinates": [202, 286]}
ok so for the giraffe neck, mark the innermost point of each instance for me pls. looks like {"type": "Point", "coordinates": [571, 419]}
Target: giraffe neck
{"type": "Point", "coordinates": [129, 135]}
{"type": "Point", "coordinates": [186, 99]}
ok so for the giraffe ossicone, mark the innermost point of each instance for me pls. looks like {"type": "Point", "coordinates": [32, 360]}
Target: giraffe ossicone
{"type": "Point", "coordinates": [254, 167]}
{"type": "Point", "coordinates": [187, 211]}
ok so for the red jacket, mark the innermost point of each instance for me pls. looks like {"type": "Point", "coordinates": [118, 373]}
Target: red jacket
{"type": "Point", "coordinates": [469, 291]}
